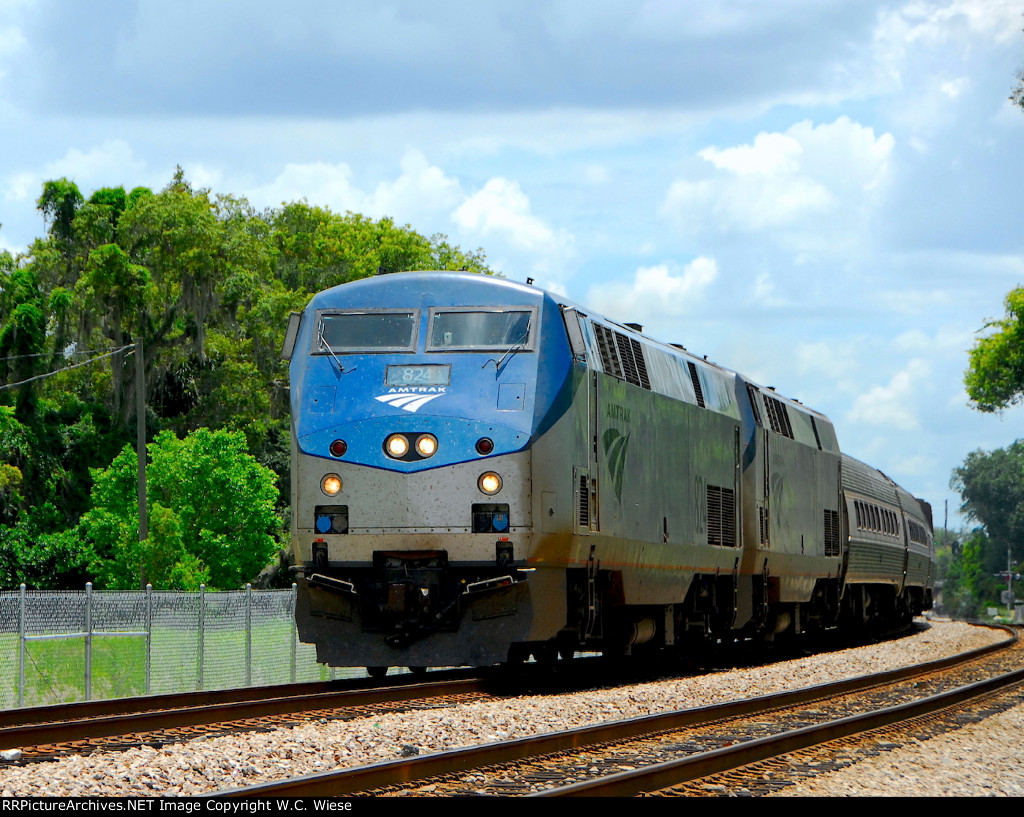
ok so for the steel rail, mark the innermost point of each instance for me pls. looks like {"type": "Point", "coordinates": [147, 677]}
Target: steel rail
{"type": "Point", "coordinates": [217, 708]}
{"type": "Point", "coordinates": [674, 772]}
{"type": "Point", "coordinates": [398, 772]}
{"type": "Point", "coordinates": [173, 700]}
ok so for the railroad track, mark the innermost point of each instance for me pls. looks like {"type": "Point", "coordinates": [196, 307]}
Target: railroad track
{"type": "Point", "coordinates": [41, 733]}
{"type": "Point", "coordinates": [652, 753]}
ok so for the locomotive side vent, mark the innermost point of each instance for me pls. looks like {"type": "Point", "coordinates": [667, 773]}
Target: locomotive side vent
{"type": "Point", "coordinates": [762, 518]}
{"type": "Point", "coordinates": [631, 353]}
{"type": "Point", "coordinates": [606, 347]}
{"type": "Point", "coordinates": [696, 383]}
{"type": "Point", "coordinates": [583, 514]}
{"type": "Point", "coordinates": [831, 533]}
{"type": "Point", "coordinates": [721, 509]}
{"type": "Point", "coordinates": [778, 417]}
{"type": "Point", "coordinates": [641, 365]}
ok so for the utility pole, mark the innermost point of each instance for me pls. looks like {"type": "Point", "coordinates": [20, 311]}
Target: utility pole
{"type": "Point", "coordinates": [140, 443]}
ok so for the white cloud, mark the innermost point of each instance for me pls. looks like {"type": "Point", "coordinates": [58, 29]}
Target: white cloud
{"type": "Point", "coordinates": [915, 48]}
{"type": "Point", "coordinates": [764, 294]}
{"type": "Point", "coordinates": [655, 292]}
{"type": "Point", "coordinates": [12, 40]}
{"type": "Point", "coordinates": [111, 163]}
{"type": "Point", "coordinates": [783, 179]}
{"type": "Point", "coordinates": [502, 209]}
{"type": "Point", "coordinates": [420, 194]}
{"type": "Point", "coordinates": [201, 176]}
{"type": "Point", "coordinates": [320, 183]}
{"type": "Point", "coordinates": [936, 23]}
{"type": "Point", "coordinates": [771, 153]}
{"type": "Point", "coordinates": [108, 165]}
{"type": "Point", "coordinates": [836, 361]}
{"type": "Point", "coordinates": [893, 405]}
{"type": "Point", "coordinates": [955, 87]}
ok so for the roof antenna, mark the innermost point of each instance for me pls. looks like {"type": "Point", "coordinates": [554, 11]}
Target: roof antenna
{"type": "Point", "coordinates": [529, 282]}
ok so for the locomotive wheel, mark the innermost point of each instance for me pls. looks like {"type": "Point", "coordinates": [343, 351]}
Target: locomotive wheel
{"type": "Point", "coordinates": [376, 672]}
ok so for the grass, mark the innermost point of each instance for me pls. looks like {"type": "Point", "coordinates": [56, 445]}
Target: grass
{"type": "Point", "coordinates": [55, 669]}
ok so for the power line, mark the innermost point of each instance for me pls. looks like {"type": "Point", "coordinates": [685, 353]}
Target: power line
{"type": "Point", "coordinates": [130, 347]}
{"type": "Point", "coordinates": [51, 354]}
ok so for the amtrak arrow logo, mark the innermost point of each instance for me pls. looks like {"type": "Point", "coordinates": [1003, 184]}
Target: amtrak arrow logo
{"type": "Point", "coordinates": [408, 402]}
{"type": "Point", "coordinates": [615, 446]}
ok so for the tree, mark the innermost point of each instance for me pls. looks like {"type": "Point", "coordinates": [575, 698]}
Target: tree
{"type": "Point", "coordinates": [991, 484]}
{"type": "Point", "coordinates": [995, 376]}
{"type": "Point", "coordinates": [59, 203]}
{"type": "Point", "coordinates": [207, 283]}
{"type": "Point", "coordinates": [22, 337]}
{"type": "Point", "coordinates": [211, 510]}
{"type": "Point", "coordinates": [967, 585]}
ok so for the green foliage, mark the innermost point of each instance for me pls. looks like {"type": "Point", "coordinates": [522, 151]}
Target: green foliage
{"type": "Point", "coordinates": [991, 484]}
{"type": "Point", "coordinates": [968, 586]}
{"type": "Point", "coordinates": [113, 197]}
{"type": "Point", "coordinates": [206, 283]}
{"type": "Point", "coordinates": [58, 204]}
{"type": "Point", "coordinates": [33, 551]}
{"type": "Point", "coordinates": [995, 376]}
{"type": "Point", "coordinates": [211, 509]}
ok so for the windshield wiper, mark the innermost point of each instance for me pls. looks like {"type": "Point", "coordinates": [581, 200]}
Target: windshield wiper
{"type": "Point", "coordinates": [511, 349]}
{"type": "Point", "coordinates": [324, 343]}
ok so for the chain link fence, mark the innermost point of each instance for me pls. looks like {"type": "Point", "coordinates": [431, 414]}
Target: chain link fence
{"type": "Point", "coordinates": [63, 646]}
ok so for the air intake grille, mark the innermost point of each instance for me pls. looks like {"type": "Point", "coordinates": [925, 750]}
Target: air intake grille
{"type": "Point", "coordinates": [583, 513]}
{"type": "Point", "coordinates": [778, 417]}
{"type": "Point", "coordinates": [831, 533]}
{"type": "Point", "coordinates": [622, 356]}
{"type": "Point", "coordinates": [631, 353]}
{"type": "Point", "coordinates": [606, 348]}
{"type": "Point", "coordinates": [721, 516]}
{"type": "Point", "coordinates": [696, 383]}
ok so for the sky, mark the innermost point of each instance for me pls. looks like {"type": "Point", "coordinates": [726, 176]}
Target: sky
{"type": "Point", "coordinates": [825, 195]}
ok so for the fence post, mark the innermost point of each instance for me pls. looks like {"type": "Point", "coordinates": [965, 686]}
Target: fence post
{"type": "Point", "coordinates": [294, 630]}
{"type": "Point", "coordinates": [248, 635]}
{"type": "Point", "coordinates": [21, 645]}
{"type": "Point", "coordinates": [149, 637]}
{"type": "Point", "coordinates": [88, 641]}
{"type": "Point", "coordinates": [202, 630]}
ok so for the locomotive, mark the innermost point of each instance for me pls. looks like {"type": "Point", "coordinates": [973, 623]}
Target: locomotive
{"type": "Point", "coordinates": [484, 471]}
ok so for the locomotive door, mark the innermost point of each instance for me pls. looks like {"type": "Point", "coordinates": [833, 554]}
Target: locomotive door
{"type": "Point", "coordinates": [585, 481]}
{"type": "Point", "coordinates": [584, 477]}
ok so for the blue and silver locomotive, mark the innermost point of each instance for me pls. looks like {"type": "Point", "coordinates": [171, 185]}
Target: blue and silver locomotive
{"type": "Point", "coordinates": [483, 471]}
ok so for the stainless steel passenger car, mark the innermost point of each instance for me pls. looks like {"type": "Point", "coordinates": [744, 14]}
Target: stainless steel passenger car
{"type": "Point", "coordinates": [484, 471]}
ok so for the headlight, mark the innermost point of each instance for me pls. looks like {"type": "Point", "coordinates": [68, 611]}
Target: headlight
{"type": "Point", "coordinates": [331, 485]}
{"type": "Point", "coordinates": [338, 448]}
{"type": "Point", "coordinates": [396, 446]}
{"type": "Point", "coordinates": [489, 483]}
{"type": "Point", "coordinates": [426, 445]}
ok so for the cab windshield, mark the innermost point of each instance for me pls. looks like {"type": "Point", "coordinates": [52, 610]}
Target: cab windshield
{"type": "Point", "coordinates": [376, 331]}
{"type": "Point", "coordinates": [480, 329]}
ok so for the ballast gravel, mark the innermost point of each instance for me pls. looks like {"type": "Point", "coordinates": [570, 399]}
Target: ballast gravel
{"type": "Point", "coordinates": [967, 766]}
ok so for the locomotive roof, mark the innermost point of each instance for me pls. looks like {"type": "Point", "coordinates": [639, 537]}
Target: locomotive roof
{"type": "Point", "coordinates": [452, 288]}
